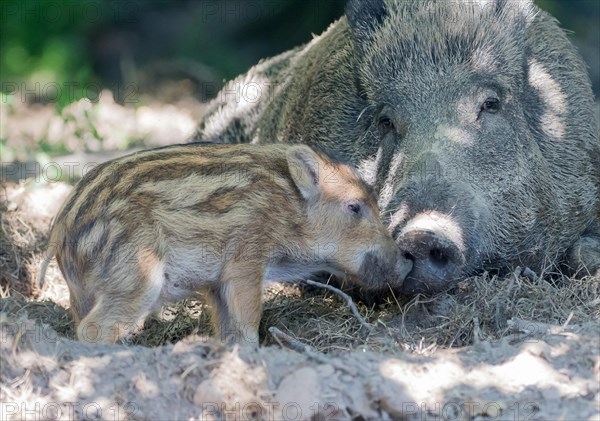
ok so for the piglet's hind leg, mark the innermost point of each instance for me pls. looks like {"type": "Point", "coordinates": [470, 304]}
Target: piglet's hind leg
{"type": "Point", "coordinates": [119, 312]}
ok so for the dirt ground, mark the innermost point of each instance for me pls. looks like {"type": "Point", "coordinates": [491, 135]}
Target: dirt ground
{"type": "Point", "coordinates": [550, 376]}
{"type": "Point", "coordinates": [518, 347]}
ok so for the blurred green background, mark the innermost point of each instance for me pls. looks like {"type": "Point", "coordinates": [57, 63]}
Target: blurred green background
{"type": "Point", "coordinates": [113, 43]}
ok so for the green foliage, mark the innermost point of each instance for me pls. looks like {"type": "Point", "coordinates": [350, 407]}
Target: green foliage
{"type": "Point", "coordinates": [44, 42]}
{"type": "Point", "coordinates": [61, 41]}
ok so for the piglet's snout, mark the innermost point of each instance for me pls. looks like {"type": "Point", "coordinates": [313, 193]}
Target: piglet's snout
{"type": "Point", "coordinates": [382, 267]}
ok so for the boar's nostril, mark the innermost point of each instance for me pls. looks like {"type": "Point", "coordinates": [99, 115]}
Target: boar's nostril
{"type": "Point", "coordinates": [438, 257]}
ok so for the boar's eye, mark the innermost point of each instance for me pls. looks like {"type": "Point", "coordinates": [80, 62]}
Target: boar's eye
{"type": "Point", "coordinates": [491, 105]}
{"type": "Point", "coordinates": [385, 125]}
{"type": "Point", "coordinates": [355, 208]}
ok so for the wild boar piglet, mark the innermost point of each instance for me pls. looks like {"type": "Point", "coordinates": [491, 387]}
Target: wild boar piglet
{"type": "Point", "coordinates": [162, 225]}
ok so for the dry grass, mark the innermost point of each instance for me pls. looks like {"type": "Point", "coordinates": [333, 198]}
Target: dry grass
{"type": "Point", "coordinates": [480, 306]}
{"type": "Point", "coordinates": [22, 239]}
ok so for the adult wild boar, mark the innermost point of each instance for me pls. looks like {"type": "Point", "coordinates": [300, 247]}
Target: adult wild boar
{"type": "Point", "coordinates": [473, 120]}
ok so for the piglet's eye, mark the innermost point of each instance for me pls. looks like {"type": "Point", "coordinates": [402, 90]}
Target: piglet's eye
{"type": "Point", "coordinates": [354, 208]}
{"type": "Point", "coordinates": [491, 105]}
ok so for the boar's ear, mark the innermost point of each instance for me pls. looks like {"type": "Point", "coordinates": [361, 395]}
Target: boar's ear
{"type": "Point", "coordinates": [364, 16]}
{"type": "Point", "coordinates": [303, 163]}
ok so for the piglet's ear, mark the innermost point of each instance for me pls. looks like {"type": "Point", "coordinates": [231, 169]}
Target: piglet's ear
{"type": "Point", "coordinates": [304, 169]}
{"type": "Point", "coordinates": [364, 17]}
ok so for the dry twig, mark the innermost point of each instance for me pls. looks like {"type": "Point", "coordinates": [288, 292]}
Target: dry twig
{"type": "Point", "coordinates": [531, 275]}
{"type": "Point", "coordinates": [500, 315]}
{"type": "Point", "coordinates": [538, 328]}
{"type": "Point", "coordinates": [286, 341]}
{"type": "Point", "coordinates": [346, 298]}
{"type": "Point", "coordinates": [476, 331]}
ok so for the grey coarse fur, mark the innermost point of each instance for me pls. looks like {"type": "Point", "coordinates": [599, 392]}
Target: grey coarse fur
{"type": "Point", "coordinates": [520, 186]}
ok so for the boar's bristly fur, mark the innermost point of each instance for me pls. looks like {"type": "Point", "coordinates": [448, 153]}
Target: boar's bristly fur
{"type": "Point", "coordinates": [474, 122]}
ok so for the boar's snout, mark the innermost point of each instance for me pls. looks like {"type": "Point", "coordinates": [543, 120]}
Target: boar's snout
{"type": "Point", "coordinates": [436, 260]}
